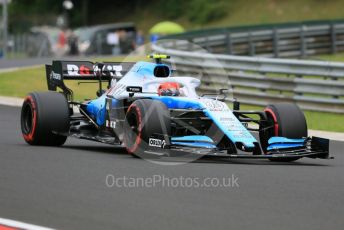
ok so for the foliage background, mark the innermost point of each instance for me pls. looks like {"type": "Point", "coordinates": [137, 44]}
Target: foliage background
{"type": "Point", "coordinates": [192, 14]}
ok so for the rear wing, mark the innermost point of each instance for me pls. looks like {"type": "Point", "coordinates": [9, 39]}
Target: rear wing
{"type": "Point", "coordinates": [83, 70]}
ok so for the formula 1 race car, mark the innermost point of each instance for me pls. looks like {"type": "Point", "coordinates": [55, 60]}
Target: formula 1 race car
{"type": "Point", "coordinates": [149, 112]}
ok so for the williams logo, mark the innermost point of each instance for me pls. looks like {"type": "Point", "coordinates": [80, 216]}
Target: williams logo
{"type": "Point", "coordinates": [156, 143]}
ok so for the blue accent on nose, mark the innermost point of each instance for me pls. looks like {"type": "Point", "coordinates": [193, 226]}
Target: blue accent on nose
{"type": "Point", "coordinates": [193, 138]}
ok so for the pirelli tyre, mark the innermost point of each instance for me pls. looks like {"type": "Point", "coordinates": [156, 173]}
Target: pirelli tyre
{"type": "Point", "coordinates": [45, 118]}
{"type": "Point", "coordinates": [285, 120]}
{"type": "Point", "coordinates": [146, 118]}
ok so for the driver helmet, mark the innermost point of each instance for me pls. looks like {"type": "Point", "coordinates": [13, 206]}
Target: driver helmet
{"type": "Point", "coordinates": [169, 89]}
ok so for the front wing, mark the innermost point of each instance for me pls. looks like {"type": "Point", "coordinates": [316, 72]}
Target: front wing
{"type": "Point", "coordinates": [314, 147]}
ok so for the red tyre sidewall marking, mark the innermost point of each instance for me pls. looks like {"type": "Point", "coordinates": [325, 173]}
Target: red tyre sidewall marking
{"type": "Point", "coordinates": [274, 117]}
{"type": "Point", "coordinates": [138, 137]}
{"type": "Point", "coordinates": [4, 227]}
{"type": "Point", "coordinates": [29, 136]}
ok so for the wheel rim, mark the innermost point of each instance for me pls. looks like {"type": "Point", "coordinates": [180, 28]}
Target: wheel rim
{"type": "Point", "coordinates": [133, 126]}
{"type": "Point", "coordinates": [272, 116]}
{"type": "Point", "coordinates": [268, 131]}
{"type": "Point", "coordinates": [28, 118]}
{"type": "Point", "coordinates": [133, 133]}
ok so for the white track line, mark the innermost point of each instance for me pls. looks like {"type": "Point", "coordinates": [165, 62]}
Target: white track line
{"type": "Point", "coordinates": [21, 225]}
{"type": "Point", "coordinates": [11, 101]}
{"type": "Point", "coordinates": [7, 70]}
{"type": "Point", "coordinates": [325, 134]}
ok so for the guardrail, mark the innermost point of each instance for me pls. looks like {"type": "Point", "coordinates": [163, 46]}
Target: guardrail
{"type": "Point", "coordinates": [278, 40]}
{"type": "Point", "coordinates": [313, 85]}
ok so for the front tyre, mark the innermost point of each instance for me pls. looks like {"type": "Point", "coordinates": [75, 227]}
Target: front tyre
{"type": "Point", "coordinates": [144, 118]}
{"type": "Point", "coordinates": [285, 120]}
{"type": "Point", "coordinates": [44, 117]}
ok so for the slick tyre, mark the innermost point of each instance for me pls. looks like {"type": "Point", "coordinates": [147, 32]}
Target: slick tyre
{"type": "Point", "coordinates": [44, 117]}
{"type": "Point", "coordinates": [144, 118]}
{"type": "Point", "coordinates": [285, 120]}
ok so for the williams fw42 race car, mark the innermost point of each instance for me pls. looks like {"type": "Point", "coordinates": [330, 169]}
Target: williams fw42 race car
{"type": "Point", "coordinates": [148, 111]}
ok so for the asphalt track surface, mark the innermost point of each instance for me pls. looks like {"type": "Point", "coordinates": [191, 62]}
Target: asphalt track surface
{"type": "Point", "coordinates": [65, 188]}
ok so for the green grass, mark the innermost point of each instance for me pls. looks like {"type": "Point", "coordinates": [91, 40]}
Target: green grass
{"type": "Point", "coordinates": [19, 83]}
{"type": "Point", "coordinates": [339, 57]}
{"type": "Point", "coordinates": [238, 12]}
{"type": "Point", "coordinates": [277, 11]}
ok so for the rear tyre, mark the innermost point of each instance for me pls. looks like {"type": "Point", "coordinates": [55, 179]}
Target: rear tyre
{"type": "Point", "coordinates": [44, 116]}
{"type": "Point", "coordinates": [287, 120]}
{"type": "Point", "coordinates": [144, 118]}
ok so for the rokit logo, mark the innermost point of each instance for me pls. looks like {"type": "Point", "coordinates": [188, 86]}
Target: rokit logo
{"type": "Point", "coordinates": [73, 70]}
{"type": "Point", "coordinates": [112, 70]}
{"type": "Point", "coordinates": [157, 143]}
{"type": "Point", "coordinates": [55, 76]}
